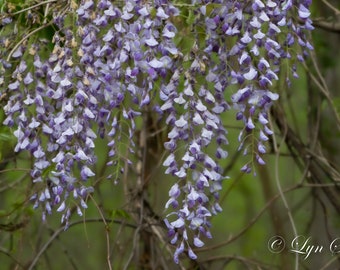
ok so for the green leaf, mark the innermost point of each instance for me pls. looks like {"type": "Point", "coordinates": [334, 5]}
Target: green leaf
{"type": "Point", "coordinates": [47, 171]}
{"type": "Point", "coordinates": [5, 137]}
{"type": "Point", "coordinates": [119, 213]}
{"type": "Point", "coordinates": [191, 17]}
{"type": "Point", "coordinates": [29, 211]}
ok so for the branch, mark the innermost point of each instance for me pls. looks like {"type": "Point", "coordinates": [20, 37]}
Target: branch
{"type": "Point", "coordinates": [31, 7]}
{"type": "Point", "coordinates": [62, 229]}
{"type": "Point", "coordinates": [333, 27]}
{"type": "Point", "coordinates": [329, 5]}
{"type": "Point", "coordinates": [318, 166]}
{"type": "Point", "coordinates": [7, 253]}
{"type": "Point", "coordinates": [250, 223]}
{"type": "Point", "coordinates": [12, 227]}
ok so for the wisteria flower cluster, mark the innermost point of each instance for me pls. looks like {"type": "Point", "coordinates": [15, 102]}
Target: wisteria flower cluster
{"type": "Point", "coordinates": [118, 62]}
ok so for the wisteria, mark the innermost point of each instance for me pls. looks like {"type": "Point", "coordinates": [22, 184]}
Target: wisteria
{"type": "Point", "coordinates": [117, 62]}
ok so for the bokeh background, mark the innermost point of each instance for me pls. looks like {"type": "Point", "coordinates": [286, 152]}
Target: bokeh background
{"type": "Point", "coordinates": [297, 194]}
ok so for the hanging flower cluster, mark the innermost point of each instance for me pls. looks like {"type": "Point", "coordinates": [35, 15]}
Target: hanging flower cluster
{"type": "Point", "coordinates": [61, 104]}
{"type": "Point", "coordinates": [118, 62]}
{"type": "Point", "coordinates": [265, 33]}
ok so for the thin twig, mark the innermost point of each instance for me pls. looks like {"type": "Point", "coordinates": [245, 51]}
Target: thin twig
{"type": "Point", "coordinates": [251, 223]}
{"type": "Point", "coordinates": [238, 258]}
{"type": "Point", "coordinates": [336, 11]}
{"type": "Point", "coordinates": [32, 7]}
{"type": "Point", "coordinates": [62, 229]}
{"type": "Point", "coordinates": [26, 37]}
{"type": "Point", "coordinates": [323, 88]}
{"type": "Point", "coordinates": [61, 13]}
{"type": "Point", "coordinates": [278, 184]}
{"type": "Point", "coordinates": [326, 266]}
{"type": "Point", "coordinates": [328, 26]}
{"type": "Point", "coordinates": [7, 253]}
{"type": "Point", "coordinates": [135, 237]}
{"type": "Point", "coordinates": [107, 235]}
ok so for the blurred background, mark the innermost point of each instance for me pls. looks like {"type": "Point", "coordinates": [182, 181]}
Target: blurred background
{"type": "Point", "coordinates": [287, 216]}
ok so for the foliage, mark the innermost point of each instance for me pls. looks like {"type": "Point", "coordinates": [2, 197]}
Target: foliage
{"type": "Point", "coordinates": [97, 90]}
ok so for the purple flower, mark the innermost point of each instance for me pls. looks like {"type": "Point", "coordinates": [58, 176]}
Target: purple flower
{"type": "Point", "coordinates": [58, 106]}
{"type": "Point", "coordinates": [303, 12]}
{"type": "Point", "coordinates": [86, 172]}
